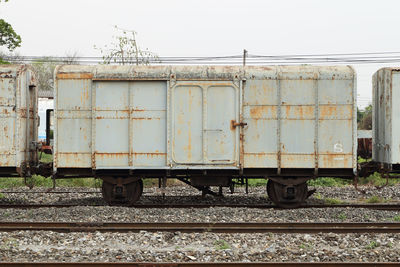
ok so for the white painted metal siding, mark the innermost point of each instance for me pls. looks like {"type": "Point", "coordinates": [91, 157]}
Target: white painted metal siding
{"type": "Point", "coordinates": [184, 117]}
{"type": "Point", "coordinates": [18, 101]}
{"type": "Point", "coordinates": [386, 119]}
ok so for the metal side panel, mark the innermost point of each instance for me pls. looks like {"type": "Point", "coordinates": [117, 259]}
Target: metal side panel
{"type": "Point", "coordinates": [7, 121]}
{"type": "Point", "coordinates": [380, 124]}
{"type": "Point", "coordinates": [337, 132]}
{"type": "Point", "coordinates": [148, 124]}
{"type": "Point", "coordinates": [297, 123]}
{"type": "Point", "coordinates": [201, 124]}
{"type": "Point", "coordinates": [386, 116]}
{"type": "Point", "coordinates": [130, 124]}
{"type": "Point", "coordinates": [111, 124]}
{"type": "Point", "coordinates": [395, 148]}
{"type": "Point", "coordinates": [300, 119]}
{"type": "Point", "coordinates": [73, 122]}
{"type": "Point", "coordinates": [260, 112]}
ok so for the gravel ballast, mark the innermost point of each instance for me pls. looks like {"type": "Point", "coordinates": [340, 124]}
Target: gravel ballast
{"type": "Point", "coordinates": [218, 214]}
{"type": "Point", "coordinates": [201, 247]}
{"type": "Point", "coordinates": [46, 246]}
{"type": "Point", "coordinates": [186, 194]}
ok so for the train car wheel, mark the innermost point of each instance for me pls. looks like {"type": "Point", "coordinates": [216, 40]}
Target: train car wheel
{"type": "Point", "coordinates": [285, 196]}
{"type": "Point", "coordinates": [125, 195]}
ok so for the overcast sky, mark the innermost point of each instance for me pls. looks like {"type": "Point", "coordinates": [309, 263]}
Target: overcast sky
{"type": "Point", "coordinates": [211, 28]}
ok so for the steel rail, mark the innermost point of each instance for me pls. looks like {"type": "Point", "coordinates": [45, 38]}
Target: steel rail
{"type": "Point", "coordinates": [50, 192]}
{"type": "Point", "coordinates": [201, 264]}
{"type": "Point", "coordinates": [203, 227]}
{"type": "Point", "coordinates": [208, 205]}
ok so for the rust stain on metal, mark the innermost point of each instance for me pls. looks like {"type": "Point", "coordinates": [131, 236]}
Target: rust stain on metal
{"type": "Point", "coordinates": [85, 94]}
{"type": "Point", "coordinates": [334, 160]}
{"type": "Point", "coordinates": [258, 112]}
{"type": "Point", "coordinates": [150, 155]}
{"type": "Point", "coordinates": [145, 119]}
{"type": "Point", "coordinates": [74, 75]}
{"type": "Point", "coordinates": [233, 125]}
{"type": "Point", "coordinates": [328, 110]}
{"type": "Point", "coordinates": [112, 155]}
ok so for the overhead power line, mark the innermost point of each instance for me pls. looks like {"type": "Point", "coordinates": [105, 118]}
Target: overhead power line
{"type": "Point", "coordinates": [251, 59]}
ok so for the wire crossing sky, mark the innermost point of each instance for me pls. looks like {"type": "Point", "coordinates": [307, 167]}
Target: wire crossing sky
{"type": "Point", "coordinates": [361, 33]}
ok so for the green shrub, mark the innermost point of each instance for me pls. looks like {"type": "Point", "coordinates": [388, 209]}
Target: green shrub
{"type": "Point", "coordinates": [332, 201]}
{"type": "Point", "coordinates": [375, 199]}
{"type": "Point", "coordinates": [376, 179]}
{"type": "Point", "coordinates": [328, 181]}
{"type": "Point", "coordinates": [40, 181]}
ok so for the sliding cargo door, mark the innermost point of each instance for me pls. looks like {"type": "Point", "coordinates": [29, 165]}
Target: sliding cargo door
{"type": "Point", "coordinates": [202, 114]}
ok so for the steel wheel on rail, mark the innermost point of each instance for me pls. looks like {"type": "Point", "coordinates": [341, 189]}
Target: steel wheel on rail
{"type": "Point", "coordinates": [287, 197]}
{"type": "Point", "coordinates": [125, 195]}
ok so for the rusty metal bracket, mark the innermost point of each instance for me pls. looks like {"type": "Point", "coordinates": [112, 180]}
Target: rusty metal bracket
{"type": "Point", "coordinates": [204, 189]}
{"type": "Point", "coordinates": [355, 183]}
{"type": "Point", "coordinates": [235, 124]}
{"type": "Point", "coordinates": [172, 80]}
{"type": "Point", "coordinates": [386, 175]}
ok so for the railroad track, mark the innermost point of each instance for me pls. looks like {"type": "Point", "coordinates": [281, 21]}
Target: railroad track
{"type": "Point", "coordinates": [203, 227]}
{"type": "Point", "coordinates": [188, 205]}
{"type": "Point", "coordinates": [202, 264]}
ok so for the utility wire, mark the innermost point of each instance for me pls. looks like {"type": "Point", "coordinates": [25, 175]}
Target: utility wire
{"type": "Point", "coordinates": [348, 58]}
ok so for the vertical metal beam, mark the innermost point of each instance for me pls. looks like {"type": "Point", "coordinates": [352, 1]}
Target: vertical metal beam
{"type": "Point", "coordinates": [34, 123]}
{"type": "Point", "coordinates": [241, 129]}
{"type": "Point", "coordinates": [316, 121]}
{"type": "Point", "coordinates": [279, 103]}
{"type": "Point", "coordinates": [130, 132]}
{"type": "Point", "coordinates": [168, 123]}
{"type": "Point", "coordinates": [204, 126]}
{"type": "Point", "coordinates": [27, 122]}
{"type": "Point", "coordinates": [93, 125]}
{"type": "Point", "coordinates": [55, 116]}
{"type": "Point", "coordinates": [354, 117]}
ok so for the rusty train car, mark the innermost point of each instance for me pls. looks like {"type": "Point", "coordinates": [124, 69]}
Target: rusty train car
{"type": "Point", "coordinates": [205, 125]}
{"type": "Point", "coordinates": [18, 120]}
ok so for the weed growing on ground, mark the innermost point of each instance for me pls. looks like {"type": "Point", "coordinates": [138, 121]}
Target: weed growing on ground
{"type": "Point", "coordinates": [342, 216]}
{"type": "Point", "coordinates": [221, 244]}
{"type": "Point", "coordinates": [396, 218]}
{"type": "Point", "coordinates": [376, 179]}
{"type": "Point", "coordinates": [375, 199]}
{"type": "Point", "coordinates": [332, 201]}
{"type": "Point", "coordinates": [329, 182]}
{"type": "Point", "coordinates": [306, 246]}
{"type": "Point", "coordinates": [45, 158]}
{"type": "Point", "coordinates": [318, 195]}
{"type": "Point", "coordinates": [40, 181]}
{"type": "Point", "coordinates": [372, 245]}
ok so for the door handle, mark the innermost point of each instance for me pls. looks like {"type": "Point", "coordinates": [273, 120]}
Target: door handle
{"type": "Point", "coordinates": [235, 124]}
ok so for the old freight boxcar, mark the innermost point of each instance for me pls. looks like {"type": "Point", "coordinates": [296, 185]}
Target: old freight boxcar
{"type": "Point", "coordinates": [18, 120]}
{"type": "Point", "coordinates": [386, 119]}
{"type": "Point", "coordinates": [205, 125]}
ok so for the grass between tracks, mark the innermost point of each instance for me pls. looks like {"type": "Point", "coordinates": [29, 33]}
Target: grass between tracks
{"type": "Point", "coordinates": [40, 181]}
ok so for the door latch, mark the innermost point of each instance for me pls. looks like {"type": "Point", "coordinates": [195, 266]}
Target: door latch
{"type": "Point", "coordinates": [235, 124]}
